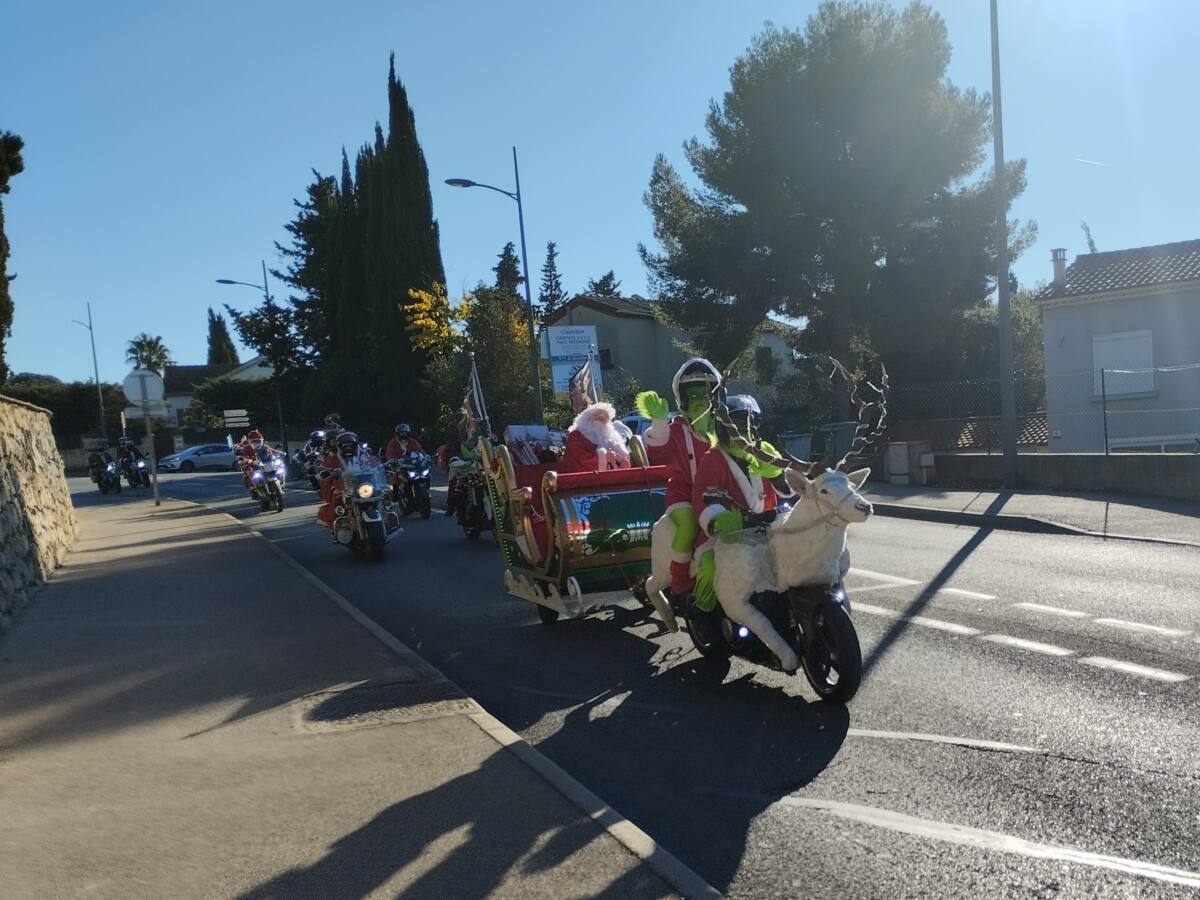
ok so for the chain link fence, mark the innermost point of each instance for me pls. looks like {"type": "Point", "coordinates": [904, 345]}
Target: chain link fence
{"type": "Point", "coordinates": [1107, 410]}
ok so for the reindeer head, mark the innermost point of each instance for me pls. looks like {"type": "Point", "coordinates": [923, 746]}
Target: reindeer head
{"type": "Point", "coordinates": [833, 492]}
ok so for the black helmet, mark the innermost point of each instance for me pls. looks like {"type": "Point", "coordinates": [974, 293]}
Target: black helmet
{"type": "Point", "coordinates": [347, 443]}
{"type": "Point", "coordinates": [403, 430]}
{"type": "Point", "coordinates": [333, 420]}
{"type": "Point", "coordinates": [316, 436]}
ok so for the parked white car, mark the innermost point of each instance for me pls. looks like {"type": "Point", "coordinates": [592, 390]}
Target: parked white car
{"type": "Point", "coordinates": [201, 456]}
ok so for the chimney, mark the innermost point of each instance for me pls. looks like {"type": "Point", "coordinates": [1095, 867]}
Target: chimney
{"type": "Point", "coordinates": [1058, 256]}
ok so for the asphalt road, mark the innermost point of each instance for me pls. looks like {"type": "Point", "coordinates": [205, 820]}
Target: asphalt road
{"type": "Point", "coordinates": [1027, 727]}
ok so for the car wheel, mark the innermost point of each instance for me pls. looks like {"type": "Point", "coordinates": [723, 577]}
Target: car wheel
{"type": "Point", "coordinates": [187, 466]}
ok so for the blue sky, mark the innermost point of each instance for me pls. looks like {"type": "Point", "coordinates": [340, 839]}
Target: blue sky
{"type": "Point", "coordinates": [164, 143]}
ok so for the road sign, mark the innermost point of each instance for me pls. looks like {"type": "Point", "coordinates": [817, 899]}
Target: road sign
{"type": "Point", "coordinates": [234, 413]}
{"type": "Point", "coordinates": [151, 410]}
{"type": "Point", "coordinates": [142, 386]}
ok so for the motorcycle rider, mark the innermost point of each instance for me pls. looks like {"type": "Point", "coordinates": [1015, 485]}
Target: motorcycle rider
{"type": "Point", "coordinates": [402, 444]}
{"type": "Point", "coordinates": [97, 460]}
{"type": "Point", "coordinates": [344, 453]}
{"type": "Point", "coordinates": [747, 485]}
{"type": "Point", "coordinates": [682, 444]}
{"type": "Point", "coordinates": [252, 447]}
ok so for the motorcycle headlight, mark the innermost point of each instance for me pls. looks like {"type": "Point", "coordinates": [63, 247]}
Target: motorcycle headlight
{"type": "Point", "coordinates": [141, 464]}
{"type": "Point", "coordinates": [424, 473]}
{"type": "Point", "coordinates": [365, 491]}
{"type": "Point", "coordinates": [257, 476]}
{"type": "Point", "coordinates": [280, 465]}
{"type": "Point", "coordinates": [111, 467]}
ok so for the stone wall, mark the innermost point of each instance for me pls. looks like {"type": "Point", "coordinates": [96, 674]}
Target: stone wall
{"type": "Point", "coordinates": [37, 521]}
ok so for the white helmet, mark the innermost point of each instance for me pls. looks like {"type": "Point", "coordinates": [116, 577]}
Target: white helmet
{"type": "Point", "coordinates": [692, 371]}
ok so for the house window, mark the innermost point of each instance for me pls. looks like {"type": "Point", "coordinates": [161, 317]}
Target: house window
{"type": "Point", "coordinates": [766, 366]}
{"type": "Point", "coordinates": [606, 359]}
{"type": "Point", "coordinates": [1127, 359]}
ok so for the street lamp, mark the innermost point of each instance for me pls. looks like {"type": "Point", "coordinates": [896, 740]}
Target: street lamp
{"type": "Point", "coordinates": [267, 297]}
{"type": "Point", "coordinates": [95, 367]}
{"type": "Point", "coordinates": [533, 343]}
{"type": "Point", "coordinates": [1008, 393]}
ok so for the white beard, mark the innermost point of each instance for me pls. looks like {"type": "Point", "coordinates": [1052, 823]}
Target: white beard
{"type": "Point", "coordinates": [603, 435]}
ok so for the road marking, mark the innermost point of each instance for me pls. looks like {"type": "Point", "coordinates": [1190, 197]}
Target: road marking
{"type": "Point", "coordinates": [1052, 610]}
{"type": "Point", "coordinates": [855, 591]}
{"type": "Point", "coordinates": [1035, 646]}
{"type": "Point", "coordinates": [925, 621]}
{"type": "Point", "coordinates": [1103, 662]}
{"type": "Point", "coordinates": [995, 841]}
{"type": "Point", "coordinates": [606, 708]}
{"type": "Point", "coordinates": [881, 576]}
{"type": "Point", "coordinates": [940, 739]}
{"type": "Point", "coordinates": [1139, 626]}
{"type": "Point", "coordinates": [970, 595]}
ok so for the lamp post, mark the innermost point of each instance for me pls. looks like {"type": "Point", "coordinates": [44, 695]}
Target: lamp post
{"type": "Point", "coordinates": [267, 297]}
{"type": "Point", "coordinates": [95, 368]}
{"type": "Point", "coordinates": [533, 342]}
{"type": "Point", "coordinates": [1008, 394]}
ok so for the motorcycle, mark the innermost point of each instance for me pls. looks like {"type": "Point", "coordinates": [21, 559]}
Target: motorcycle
{"type": "Point", "coordinates": [362, 515]}
{"type": "Point", "coordinates": [267, 475]}
{"type": "Point", "coordinates": [107, 477]}
{"type": "Point", "coordinates": [813, 619]}
{"type": "Point", "coordinates": [136, 472]}
{"type": "Point", "coordinates": [410, 483]}
{"type": "Point", "coordinates": [471, 502]}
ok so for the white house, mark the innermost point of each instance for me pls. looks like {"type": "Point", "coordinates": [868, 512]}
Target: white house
{"type": "Point", "coordinates": [180, 382]}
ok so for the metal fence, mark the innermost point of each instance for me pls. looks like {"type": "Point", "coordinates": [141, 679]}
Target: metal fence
{"type": "Point", "coordinates": [1107, 410]}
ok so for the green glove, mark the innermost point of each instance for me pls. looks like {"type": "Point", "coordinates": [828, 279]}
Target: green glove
{"type": "Point", "coordinates": [763, 469]}
{"type": "Point", "coordinates": [705, 591]}
{"type": "Point", "coordinates": [726, 523]}
{"type": "Point", "coordinates": [652, 406]}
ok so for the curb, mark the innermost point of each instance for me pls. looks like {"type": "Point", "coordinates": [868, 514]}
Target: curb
{"type": "Point", "coordinates": [665, 864]}
{"type": "Point", "coordinates": [1006, 522]}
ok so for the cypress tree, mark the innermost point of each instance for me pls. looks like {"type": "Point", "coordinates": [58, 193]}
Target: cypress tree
{"type": "Point", "coordinates": [508, 271]}
{"type": "Point", "coordinates": [221, 349]}
{"type": "Point", "coordinates": [551, 295]}
{"type": "Point", "coordinates": [11, 164]}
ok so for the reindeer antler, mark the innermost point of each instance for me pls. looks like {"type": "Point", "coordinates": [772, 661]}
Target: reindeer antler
{"type": "Point", "coordinates": [785, 460]}
{"type": "Point", "coordinates": [866, 433]}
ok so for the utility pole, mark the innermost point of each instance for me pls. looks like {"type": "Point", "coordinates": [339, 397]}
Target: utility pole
{"type": "Point", "coordinates": [1008, 398]}
{"type": "Point", "coordinates": [95, 370]}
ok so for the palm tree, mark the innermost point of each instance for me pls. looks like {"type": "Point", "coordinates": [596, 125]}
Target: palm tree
{"type": "Point", "coordinates": [148, 352]}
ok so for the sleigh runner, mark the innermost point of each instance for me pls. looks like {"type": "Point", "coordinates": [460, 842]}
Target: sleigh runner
{"type": "Point", "coordinates": [570, 542]}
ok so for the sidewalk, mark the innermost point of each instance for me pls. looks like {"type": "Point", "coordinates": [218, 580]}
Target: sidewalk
{"type": "Point", "coordinates": [1105, 514]}
{"type": "Point", "coordinates": [183, 714]}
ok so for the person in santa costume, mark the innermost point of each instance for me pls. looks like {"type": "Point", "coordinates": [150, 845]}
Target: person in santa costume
{"type": "Point", "coordinates": [734, 471]}
{"type": "Point", "coordinates": [681, 444]}
{"type": "Point", "coordinates": [594, 443]}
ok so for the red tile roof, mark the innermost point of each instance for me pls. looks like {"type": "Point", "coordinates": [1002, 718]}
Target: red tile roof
{"type": "Point", "coordinates": [1119, 270]}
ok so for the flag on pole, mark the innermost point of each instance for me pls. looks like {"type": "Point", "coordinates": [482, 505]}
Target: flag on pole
{"type": "Point", "coordinates": [474, 411]}
{"type": "Point", "coordinates": [582, 386]}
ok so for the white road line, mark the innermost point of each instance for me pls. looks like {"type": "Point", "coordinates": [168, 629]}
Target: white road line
{"type": "Point", "coordinates": [995, 841]}
{"type": "Point", "coordinates": [1149, 629]}
{"type": "Point", "coordinates": [1103, 662]}
{"type": "Point", "coordinates": [1052, 610]}
{"type": "Point", "coordinates": [1035, 646]}
{"type": "Point", "coordinates": [882, 576]}
{"type": "Point", "coordinates": [925, 621]}
{"type": "Point", "coordinates": [970, 595]}
{"type": "Point", "coordinates": [940, 739]}
{"type": "Point", "coordinates": [855, 591]}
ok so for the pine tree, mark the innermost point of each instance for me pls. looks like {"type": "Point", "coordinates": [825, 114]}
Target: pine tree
{"type": "Point", "coordinates": [508, 271]}
{"type": "Point", "coordinates": [221, 350]}
{"type": "Point", "coordinates": [11, 164]}
{"type": "Point", "coordinates": [604, 286]}
{"type": "Point", "coordinates": [551, 294]}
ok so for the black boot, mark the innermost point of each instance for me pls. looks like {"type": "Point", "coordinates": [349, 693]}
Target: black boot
{"type": "Point", "coordinates": [706, 625]}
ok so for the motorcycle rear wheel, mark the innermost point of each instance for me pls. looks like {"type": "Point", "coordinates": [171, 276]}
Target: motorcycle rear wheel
{"type": "Point", "coordinates": [835, 652]}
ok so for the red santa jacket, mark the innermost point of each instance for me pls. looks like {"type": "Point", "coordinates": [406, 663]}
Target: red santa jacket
{"type": "Point", "coordinates": [677, 446]}
{"type": "Point", "coordinates": [580, 454]}
{"type": "Point", "coordinates": [397, 449]}
{"type": "Point", "coordinates": [748, 493]}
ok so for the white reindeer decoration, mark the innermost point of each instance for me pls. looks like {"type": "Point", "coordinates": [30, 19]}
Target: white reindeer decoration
{"type": "Point", "coordinates": [804, 545]}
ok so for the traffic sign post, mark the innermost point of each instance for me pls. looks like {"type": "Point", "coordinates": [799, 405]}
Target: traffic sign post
{"type": "Point", "coordinates": [143, 387]}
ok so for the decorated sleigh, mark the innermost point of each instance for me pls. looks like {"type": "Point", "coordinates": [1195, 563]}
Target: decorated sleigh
{"type": "Point", "coordinates": [571, 542]}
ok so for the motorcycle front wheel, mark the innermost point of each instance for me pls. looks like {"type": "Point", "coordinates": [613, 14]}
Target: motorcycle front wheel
{"type": "Point", "coordinates": [423, 501]}
{"type": "Point", "coordinates": [277, 497]}
{"type": "Point", "coordinates": [833, 661]}
{"type": "Point", "coordinates": [376, 540]}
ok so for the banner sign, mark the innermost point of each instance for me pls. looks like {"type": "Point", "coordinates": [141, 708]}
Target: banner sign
{"type": "Point", "coordinates": [567, 349]}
